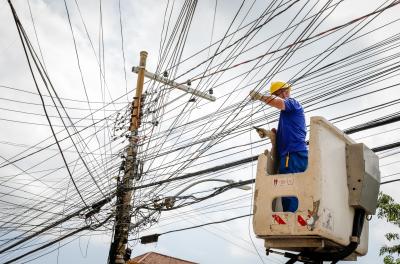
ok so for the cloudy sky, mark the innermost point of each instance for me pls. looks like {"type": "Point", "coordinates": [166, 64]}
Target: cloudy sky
{"type": "Point", "coordinates": [87, 49]}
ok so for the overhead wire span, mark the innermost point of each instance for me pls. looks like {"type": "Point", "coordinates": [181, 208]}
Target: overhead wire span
{"type": "Point", "coordinates": [25, 45]}
{"type": "Point", "coordinates": [87, 227]}
{"type": "Point", "coordinates": [197, 226]}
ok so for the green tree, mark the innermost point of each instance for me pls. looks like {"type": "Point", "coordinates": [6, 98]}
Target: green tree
{"type": "Point", "coordinates": [389, 210]}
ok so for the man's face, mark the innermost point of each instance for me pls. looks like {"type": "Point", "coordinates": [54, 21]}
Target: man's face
{"type": "Point", "coordinates": [282, 93]}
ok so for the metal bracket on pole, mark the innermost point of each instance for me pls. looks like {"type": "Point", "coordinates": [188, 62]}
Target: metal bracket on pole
{"type": "Point", "coordinates": [173, 84]}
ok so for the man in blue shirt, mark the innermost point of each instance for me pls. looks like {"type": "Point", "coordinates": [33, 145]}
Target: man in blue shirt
{"type": "Point", "coordinates": [290, 137]}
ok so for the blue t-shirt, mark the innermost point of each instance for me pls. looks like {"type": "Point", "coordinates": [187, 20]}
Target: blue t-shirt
{"type": "Point", "coordinates": [291, 134]}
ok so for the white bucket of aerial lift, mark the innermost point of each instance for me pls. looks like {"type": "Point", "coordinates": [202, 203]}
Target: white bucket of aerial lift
{"type": "Point", "coordinates": [324, 217]}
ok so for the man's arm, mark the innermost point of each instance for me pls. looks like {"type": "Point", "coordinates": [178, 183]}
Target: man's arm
{"type": "Point", "coordinates": [271, 100]}
{"type": "Point", "coordinates": [274, 101]}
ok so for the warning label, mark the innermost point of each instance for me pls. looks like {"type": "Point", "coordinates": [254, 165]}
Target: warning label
{"type": "Point", "coordinates": [280, 219]}
{"type": "Point", "coordinates": [287, 181]}
{"type": "Point", "coordinates": [302, 220]}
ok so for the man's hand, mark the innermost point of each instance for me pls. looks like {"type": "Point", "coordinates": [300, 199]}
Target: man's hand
{"type": "Point", "coordinates": [263, 133]}
{"type": "Point", "coordinates": [255, 95]}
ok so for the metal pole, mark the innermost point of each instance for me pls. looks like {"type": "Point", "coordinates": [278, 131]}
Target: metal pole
{"type": "Point", "coordinates": [124, 189]}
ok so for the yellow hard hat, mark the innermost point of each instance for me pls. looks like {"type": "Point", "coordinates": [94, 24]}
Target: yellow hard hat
{"type": "Point", "coordinates": [275, 86]}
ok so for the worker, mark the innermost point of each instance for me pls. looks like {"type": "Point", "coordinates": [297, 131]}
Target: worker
{"type": "Point", "coordinates": [290, 137]}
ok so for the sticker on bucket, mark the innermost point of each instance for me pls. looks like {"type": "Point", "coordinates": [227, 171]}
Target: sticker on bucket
{"type": "Point", "coordinates": [302, 220]}
{"type": "Point", "coordinates": [287, 181]}
{"type": "Point", "coordinates": [279, 219]}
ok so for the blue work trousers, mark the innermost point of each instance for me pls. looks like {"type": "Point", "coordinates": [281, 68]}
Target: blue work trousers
{"type": "Point", "coordinates": [291, 163]}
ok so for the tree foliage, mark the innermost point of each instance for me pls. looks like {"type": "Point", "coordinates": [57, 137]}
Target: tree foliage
{"type": "Point", "coordinates": [389, 210]}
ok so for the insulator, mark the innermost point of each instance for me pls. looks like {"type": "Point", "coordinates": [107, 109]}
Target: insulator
{"type": "Point", "coordinates": [141, 165]}
{"type": "Point", "coordinates": [122, 166]}
{"type": "Point", "coordinates": [128, 253]}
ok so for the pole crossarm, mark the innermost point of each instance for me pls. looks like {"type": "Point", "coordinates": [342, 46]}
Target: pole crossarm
{"type": "Point", "coordinates": [176, 85]}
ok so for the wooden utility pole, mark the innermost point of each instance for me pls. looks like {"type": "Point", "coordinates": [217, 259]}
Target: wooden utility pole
{"type": "Point", "coordinates": [124, 196]}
